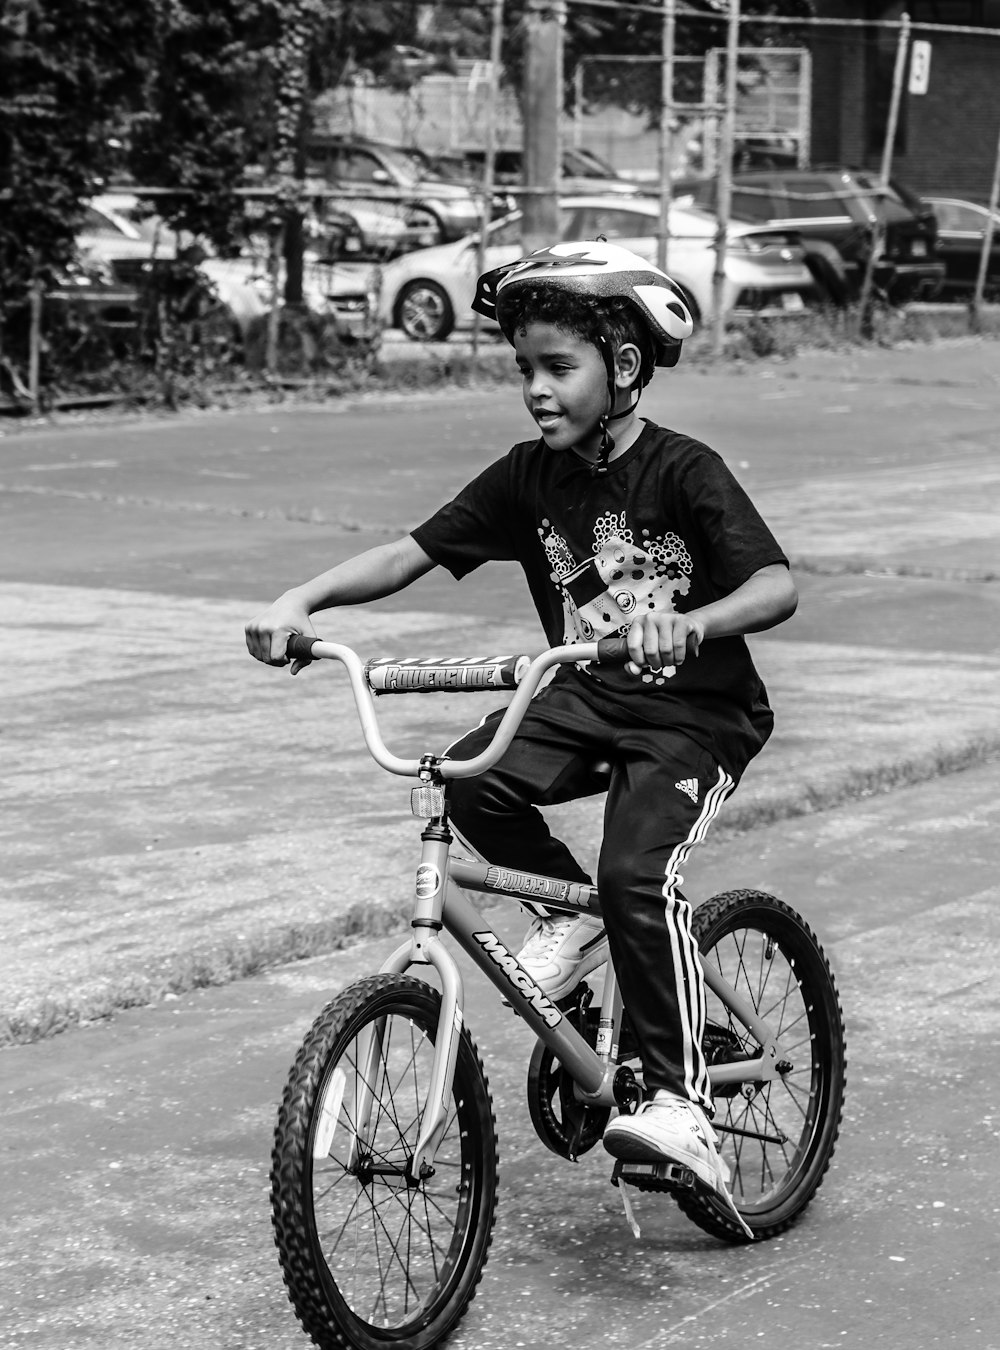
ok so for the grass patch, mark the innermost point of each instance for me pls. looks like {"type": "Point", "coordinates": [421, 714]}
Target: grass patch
{"type": "Point", "coordinates": [222, 963]}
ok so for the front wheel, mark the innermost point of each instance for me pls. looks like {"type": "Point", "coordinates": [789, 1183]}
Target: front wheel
{"type": "Point", "coordinates": [424, 312]}
{"type": "Point", "coordinates": [372, 1256]}
{"type": "Point", "coordinates": [778, 1135]}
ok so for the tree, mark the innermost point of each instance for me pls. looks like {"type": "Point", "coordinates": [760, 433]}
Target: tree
{"type": "Point", "coordinates": [69, 73]}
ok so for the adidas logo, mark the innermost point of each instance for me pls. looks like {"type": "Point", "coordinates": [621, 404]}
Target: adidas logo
{"type": "Point", "coordinates": [689, 786]}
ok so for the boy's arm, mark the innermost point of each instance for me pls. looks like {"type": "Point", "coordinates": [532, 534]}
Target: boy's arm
{"type": "Point", "coordinates": [765, 599]}
{"type": "Point", "coordinates": [368, 576]}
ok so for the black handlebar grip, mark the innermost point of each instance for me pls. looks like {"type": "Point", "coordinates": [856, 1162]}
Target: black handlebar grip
{"type": "Point", "coordinates": [299, 648]}
{"type": "Point", "coordinates": [612, 651]}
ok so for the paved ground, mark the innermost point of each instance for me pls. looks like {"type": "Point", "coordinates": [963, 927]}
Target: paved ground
{"type": "Point", "coordinates": [171, 811]}
{"type": "Point", "coordinates": [135, 1154]}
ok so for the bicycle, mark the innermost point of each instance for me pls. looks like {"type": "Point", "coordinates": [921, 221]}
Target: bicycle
{"type": "Point", "coordinates": [384, 1167]}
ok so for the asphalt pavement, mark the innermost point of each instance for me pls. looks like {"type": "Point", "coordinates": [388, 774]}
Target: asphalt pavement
{"type": "Point", "coordinates": [172, 813]}
{"type": "Point", "coordinates": [135, 1152]}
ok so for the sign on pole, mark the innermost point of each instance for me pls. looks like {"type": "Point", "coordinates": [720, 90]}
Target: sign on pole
{"type": "Point", "coordinates": [920, 67]}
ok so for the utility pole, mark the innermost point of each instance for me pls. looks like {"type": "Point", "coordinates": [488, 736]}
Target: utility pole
{"type": "Point", "coordinates": [666, 130]}
{"type": "Point", "coordinates": [543, 98]}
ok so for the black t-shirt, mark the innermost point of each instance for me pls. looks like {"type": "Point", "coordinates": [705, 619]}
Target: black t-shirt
{"type": "Point", "coordinates": [666, 527]}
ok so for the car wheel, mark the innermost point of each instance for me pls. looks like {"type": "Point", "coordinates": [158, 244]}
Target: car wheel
{"type": "Point", "coordinates": [424, 312]}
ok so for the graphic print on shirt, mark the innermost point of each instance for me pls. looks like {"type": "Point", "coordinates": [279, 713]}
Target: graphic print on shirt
{"type": "Point", "coordinates": [624, 578]}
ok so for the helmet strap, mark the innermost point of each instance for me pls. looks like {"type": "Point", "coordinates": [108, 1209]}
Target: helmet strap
{"type": "Point", "coordinates": [607, 440]}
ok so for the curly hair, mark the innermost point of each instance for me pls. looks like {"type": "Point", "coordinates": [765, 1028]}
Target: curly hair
{"type": "Point", "coordinates": [590, 318]}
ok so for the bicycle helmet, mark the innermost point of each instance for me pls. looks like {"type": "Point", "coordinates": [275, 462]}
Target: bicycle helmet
{"type": "Point", "coordinates": [604, 271]}
{"type": "Point", "coordinates": [599, 271]}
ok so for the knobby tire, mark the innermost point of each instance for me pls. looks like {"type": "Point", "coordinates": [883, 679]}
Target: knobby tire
{"type": "Point", "coordinates": [372, 1258]}
{"type": "Point", "coordinates": [769, 953]}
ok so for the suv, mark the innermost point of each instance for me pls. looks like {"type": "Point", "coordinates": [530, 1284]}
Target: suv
{"type": "Point", "coordinates": [401, 186]}
{"type": "Point", "coordinates": [833, 210]}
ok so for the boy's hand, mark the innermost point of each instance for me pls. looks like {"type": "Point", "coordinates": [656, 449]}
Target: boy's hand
{"type": "Point", "coordinates": [658, 640]}
{"type": "Point", "coordinates": [268, 634]}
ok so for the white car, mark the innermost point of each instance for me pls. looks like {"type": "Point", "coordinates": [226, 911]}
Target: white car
{"type": "Point", "coordinates": [429, 293]}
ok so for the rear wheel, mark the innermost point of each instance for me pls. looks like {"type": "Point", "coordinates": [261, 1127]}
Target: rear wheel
{"type": "Point", "coordinates": [778, 1135]}
{"type": "Point", "coordinates": [424, 312]}
{"type": "Point", "coordinates": [372, 1256]}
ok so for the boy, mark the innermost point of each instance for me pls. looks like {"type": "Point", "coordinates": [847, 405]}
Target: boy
{"type": "Point", "coordinates": [643, 532]}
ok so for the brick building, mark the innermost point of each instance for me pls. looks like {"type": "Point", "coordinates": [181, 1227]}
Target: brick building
{"type": "Point", "coordinates": [947, 137]}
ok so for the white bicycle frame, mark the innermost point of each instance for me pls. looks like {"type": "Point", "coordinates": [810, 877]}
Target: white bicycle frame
{"type": "Point", "coordinates": [440, 902]}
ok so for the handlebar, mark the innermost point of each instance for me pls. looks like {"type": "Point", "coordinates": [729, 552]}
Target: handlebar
{"type": "Point", "coordinates": [450, 675]}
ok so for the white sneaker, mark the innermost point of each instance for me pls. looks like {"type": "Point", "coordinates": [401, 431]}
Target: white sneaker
{"type": "Point", "coordinates": [669, 1129]}
{"type": "Point", "coordinates": [559, 951]}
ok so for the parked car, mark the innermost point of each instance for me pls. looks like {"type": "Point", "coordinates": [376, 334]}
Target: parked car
{"type": "Point", "coordinates": [961, 230]}
{"type": "Point", "coordinates": [582, 171]}
{"type": "Point", "coordinates": [382, 178]}
{"type": "Point", "coordinates": [429, 293]}
{"type": "Point", "coordinates": [119, 233]}
{"type": "Point", "coordinates": [834, 211]}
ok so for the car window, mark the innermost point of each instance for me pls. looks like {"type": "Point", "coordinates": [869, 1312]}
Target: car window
{"type": "Point", "coordinates": [753, 203]}
{"type": "Point", "coordinates": [956, 216]}
{"type": "Point", "coordinates": [613, 222]}
{"type": "Point", "coordinates": [701, 193]}
{"type": "Point", "coordinates": [95, 222]}
{"type": "Point", "coordinates": [356, 166]}
{"type": "Point", "coordinates": [808, 199]}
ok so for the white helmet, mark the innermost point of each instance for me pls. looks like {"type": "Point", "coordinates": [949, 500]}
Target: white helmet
{"type": "Point", "coordinates": [603, 271]}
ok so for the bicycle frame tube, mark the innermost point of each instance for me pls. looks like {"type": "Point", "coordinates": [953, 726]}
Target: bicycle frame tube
{"type": "Point", "coordinates": [438, 902]}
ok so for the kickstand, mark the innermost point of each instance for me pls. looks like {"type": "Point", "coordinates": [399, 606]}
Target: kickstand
{"type": "Point", "coordinates": [627, 1204]}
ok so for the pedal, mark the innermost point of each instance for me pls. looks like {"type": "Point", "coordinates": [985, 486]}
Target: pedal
{"type": "Point", "coordinates": [654, 1176]}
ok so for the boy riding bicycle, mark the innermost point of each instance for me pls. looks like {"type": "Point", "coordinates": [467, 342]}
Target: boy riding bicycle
{"type": "Point", "coordinates": [640, 531]}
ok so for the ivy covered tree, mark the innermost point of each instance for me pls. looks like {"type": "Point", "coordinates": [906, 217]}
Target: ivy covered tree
{"type": "Point", "coordinates": [69, 75]}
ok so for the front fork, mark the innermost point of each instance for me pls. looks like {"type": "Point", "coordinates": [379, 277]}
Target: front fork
{"type": "Point", "coordinates": [423, 948]}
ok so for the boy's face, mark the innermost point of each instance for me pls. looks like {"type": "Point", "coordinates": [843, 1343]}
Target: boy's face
{"type": "Point", "coordinates": [564, 384]}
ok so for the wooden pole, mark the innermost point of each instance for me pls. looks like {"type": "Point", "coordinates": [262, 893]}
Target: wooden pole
{"type": "Point", "coordinates": [984, 257]}
{"type": "Point", "coordinates": [489, 165]}
{"type": "Point", "coordinates": [542, 98]}
{"type": "Point", "coordinates": [666, 130]}
{"type": "Point", "coordinates": [725, 195]}
{"type": "Point", "coordinates": [885, 173]}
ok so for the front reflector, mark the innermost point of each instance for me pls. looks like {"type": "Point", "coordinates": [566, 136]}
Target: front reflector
{"type": "Point", "coordinates": [427, 802]}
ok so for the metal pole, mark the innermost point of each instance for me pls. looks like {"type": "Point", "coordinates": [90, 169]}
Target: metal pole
{"type": "Point", "coordinates": [489, 165]}
{"type": "Point", "coordinates": [578, 105]}
{"type": "Point", "coordinates": [277, 242]}
{"type": "Point", "coordinates": [885, 173]}
{"type": "Point", "coordinates": [725, 196]}
{"type": "Point", "coordinates": [666, 130]}
{"type": "Point", "coordinates": [984, 257]}
{"type": "Point", "coordinates": [35, 342]}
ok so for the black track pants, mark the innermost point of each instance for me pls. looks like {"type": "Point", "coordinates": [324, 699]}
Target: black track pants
{"type": "Point", "coordinates": [665, 792]}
